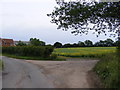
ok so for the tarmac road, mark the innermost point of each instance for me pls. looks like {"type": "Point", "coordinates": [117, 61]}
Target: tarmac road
{"type": "Point", "coordinates": [20, 74]}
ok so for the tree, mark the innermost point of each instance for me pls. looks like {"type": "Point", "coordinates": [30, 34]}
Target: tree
{"type": "Point", "coordinates": [81, 44]}
{"type": "Point", "coordinates": [67, 45]}
{"type": "Point", "coordinates": [20, 43]}
{"type": "Point", "coordinates": [116, 43]}
{"type": "Point", "coordinates": [36, 42]}
{"type": "Point", "coordinates": [88, 43]}
{"type": "Point", "coordinates": [81, 17]}
{"type": "Point", "coordinates": [96, 44]}
{"type": "Point", "coordinates": [74, 45]}
{"type": "Point", "coordinates": [101, 43]}
{"type": "Point", "coordinates": [105, 43]}
{"type": "Point", "coordinates": [42, 43]}
{"type": "Point", "coordinates": [58, 45]}
{"type": "Point", "coordinates": [109, 42]}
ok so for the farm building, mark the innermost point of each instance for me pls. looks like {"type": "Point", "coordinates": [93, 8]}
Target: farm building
{"type": "Point", "coordinates": [26, 42]}
{"type": "Point", "coordinates": [6, 42]}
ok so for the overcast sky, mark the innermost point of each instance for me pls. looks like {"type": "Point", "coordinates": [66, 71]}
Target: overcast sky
{"type": "Point", "coordinates": [25, 19]}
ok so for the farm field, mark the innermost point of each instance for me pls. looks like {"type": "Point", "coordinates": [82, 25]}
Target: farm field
{"type": "Point", "coordinates": [94, 52]}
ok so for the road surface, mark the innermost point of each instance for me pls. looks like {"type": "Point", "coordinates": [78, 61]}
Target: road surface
{"type": "Point", "coordinates": [21, 74]}
{"type": "Point", "coordinates": [48, 74]}
{"type": "Point", "coordinates": [73, 73]}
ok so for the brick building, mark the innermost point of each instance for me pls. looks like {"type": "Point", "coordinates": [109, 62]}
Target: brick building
{"type": "Point", "coordinates": [6, 42]}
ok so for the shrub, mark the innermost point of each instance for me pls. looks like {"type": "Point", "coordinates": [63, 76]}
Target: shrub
{"type": "Point", "coordinates": [53, 56]}
{"type": "Point", "coordinates": [41, 51]}
{"type": "Point", "coordinates": [48, 51]}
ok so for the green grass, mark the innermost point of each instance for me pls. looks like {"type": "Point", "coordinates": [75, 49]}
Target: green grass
{"type": "Point", "coordinates": [108, 72]}
{"type": "Point", "coordinates": [92, 52]}
{"type": "Point", "coordinates": [33, 58]}
{"type": "Point", "coordinates": [1, 64]}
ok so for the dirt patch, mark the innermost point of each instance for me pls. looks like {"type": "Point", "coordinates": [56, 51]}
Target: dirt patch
{"type": "Point", "coordinates": [67, 74]}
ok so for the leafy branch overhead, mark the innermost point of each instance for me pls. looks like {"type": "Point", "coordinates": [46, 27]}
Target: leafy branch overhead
{"type": "Point", "coordinates": [82, 17]}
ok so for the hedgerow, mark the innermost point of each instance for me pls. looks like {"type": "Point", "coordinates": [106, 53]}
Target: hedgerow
{"type": "Point", "coordinates": [41, 51]}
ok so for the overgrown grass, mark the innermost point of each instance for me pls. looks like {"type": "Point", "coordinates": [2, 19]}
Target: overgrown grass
{"type": "Point", "coordinates": [92, 52]}
{"type": "Point", "coordinates": [108, 72]}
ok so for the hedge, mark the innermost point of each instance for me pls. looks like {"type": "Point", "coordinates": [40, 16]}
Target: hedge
{"type": "Point", "coordinates": [41, 51]}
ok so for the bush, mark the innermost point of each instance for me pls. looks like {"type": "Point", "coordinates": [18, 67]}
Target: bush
{"type": "Point", "coordinates": [48, 51]}
{"type": "Point", "coordinates": [41, 51]}
{"type": "Point", "coordinates": [53, 56]}
{"type": "Point", "coordinates": [107, 70]}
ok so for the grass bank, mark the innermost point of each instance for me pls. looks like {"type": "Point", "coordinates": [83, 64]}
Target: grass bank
{"type": "Point", "coordinates": [108, 72]}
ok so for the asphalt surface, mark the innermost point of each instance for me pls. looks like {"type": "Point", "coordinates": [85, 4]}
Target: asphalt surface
{"type": "Point", "coordinates": [20, 74]}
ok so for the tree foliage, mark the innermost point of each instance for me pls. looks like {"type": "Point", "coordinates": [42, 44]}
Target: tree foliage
{"type": "Point", "coordinates": [82, 17]}
{"type": "Point", "coordinates": [67, 45]}
{"type": "Point", "coordinates": [36, 42]}
{"type": "Point", "coordinates": [88, 43]}
{"type": "Point", "coordinates": [58, 45]}
{"type": "Point", "coordinates": [20, 43]}
{"type": "Point", "coordinates": [106, 43]}
{"type": "Point", "coordinates": [81, 44]}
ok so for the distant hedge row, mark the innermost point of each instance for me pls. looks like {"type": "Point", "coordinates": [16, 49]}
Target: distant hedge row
{"type": "Point", "coordinates": [41, 51]}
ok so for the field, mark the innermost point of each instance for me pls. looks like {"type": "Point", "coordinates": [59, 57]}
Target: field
{"type": "Point", "coordinates": [84, 51]}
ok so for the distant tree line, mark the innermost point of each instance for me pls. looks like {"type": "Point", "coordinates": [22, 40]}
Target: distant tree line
{"type": "Point", "coordinates": [88, 43]}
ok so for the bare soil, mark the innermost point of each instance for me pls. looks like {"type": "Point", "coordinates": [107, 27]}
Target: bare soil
{"type": "Point", "coordinates": [74, 73]}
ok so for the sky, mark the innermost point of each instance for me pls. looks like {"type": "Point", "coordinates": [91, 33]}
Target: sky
{"type": "Point", "coordinates": [25, 19]}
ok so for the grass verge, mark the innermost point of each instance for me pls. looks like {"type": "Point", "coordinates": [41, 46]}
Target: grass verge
{"type": "Point", "coordinates": [108, 72]}
{"type": "Point", "coordinates": [1, 64]}
{"type": "Point", "coordinates": [33, 58]}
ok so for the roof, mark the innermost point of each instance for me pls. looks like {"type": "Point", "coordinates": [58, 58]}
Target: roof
{"type": "Point", "coordinates": [7, 40]}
